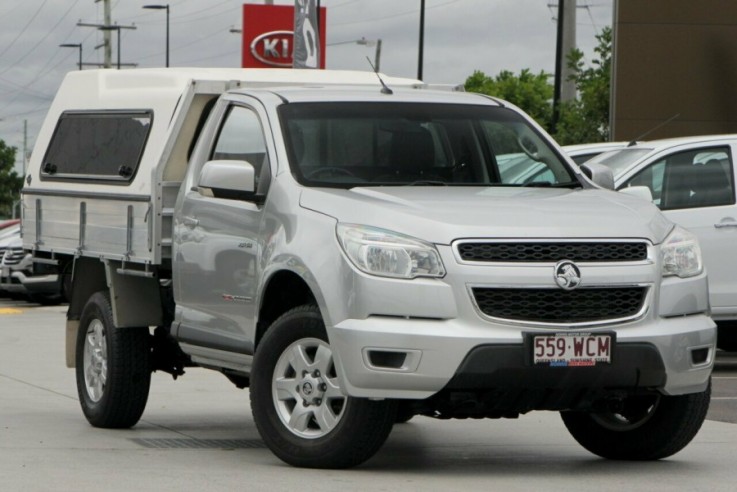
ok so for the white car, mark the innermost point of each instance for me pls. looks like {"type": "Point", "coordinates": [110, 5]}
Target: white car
{"type": "Point", "coordinates": [692, 180]}
{"type": "Point", "coordinates": [581, 153]}
{"type": "Point", "coordinates": [11, 254]}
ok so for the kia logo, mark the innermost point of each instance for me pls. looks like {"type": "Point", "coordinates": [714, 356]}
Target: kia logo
{"type": "Point", "coordinates": [273, 48]}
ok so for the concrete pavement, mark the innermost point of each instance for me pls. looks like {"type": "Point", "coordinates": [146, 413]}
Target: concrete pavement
{"type": "Point", "coordinates": [197, 434]}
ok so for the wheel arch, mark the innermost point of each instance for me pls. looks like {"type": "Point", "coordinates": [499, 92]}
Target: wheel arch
{"type": "Point", "coordinates": [283, 291]}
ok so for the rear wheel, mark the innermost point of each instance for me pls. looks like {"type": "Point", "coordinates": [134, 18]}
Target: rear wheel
{"type": "Point", "coordinates": [113, 367]}
{"type": "Point", "coordinates": [645, 428]}
{"type": "Point", "coordinates": [297, 403]}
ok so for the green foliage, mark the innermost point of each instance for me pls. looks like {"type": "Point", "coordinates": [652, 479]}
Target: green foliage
{"type": "Point", "coordinates": [10, 182]}
{"type": "Point", "coordinates": [587, 118]}
{"type": "Point", "coordinates": [583, 120]}
{"type": "Point", "coordinates": [531, 92]}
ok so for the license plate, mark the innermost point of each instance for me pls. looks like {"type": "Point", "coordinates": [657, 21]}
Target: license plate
{"type": "Point", "coordinates": [572, 349]}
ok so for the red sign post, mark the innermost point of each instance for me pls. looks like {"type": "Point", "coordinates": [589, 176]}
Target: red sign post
{"type": "Point", "coordinates": [268, 38]}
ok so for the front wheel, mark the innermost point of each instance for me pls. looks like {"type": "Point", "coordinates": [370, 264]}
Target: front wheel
{"type": "Point", "coordinates": [297, 403]}
{"type": "Point", "coordinates": [645, 428]}
{"type": "Point", "coordinates": [113, 367]}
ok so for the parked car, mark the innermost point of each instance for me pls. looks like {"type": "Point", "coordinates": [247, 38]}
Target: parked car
{"type": "Point", "coordinates": [5, 223]}
{"type": "Point", "coordinates": [692, 180]}
{"type": "Point", "coordinates": [581, 153]}
{"type": "Point", "coordinates": [20, 276]}
{"type": "Point", "coordinates": [11, 253]}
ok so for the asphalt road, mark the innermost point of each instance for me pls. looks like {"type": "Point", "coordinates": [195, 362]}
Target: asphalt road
{"type": "Point", "coordinates": [197, 434]}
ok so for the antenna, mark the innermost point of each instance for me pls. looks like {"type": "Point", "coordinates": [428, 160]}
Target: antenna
{"type": "Point", "coordinates": [634, 142]}
{"type": "Point", "coordinates": [384, 88]}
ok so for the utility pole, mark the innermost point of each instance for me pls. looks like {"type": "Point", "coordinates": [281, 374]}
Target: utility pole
{"type": "Point", "coordinates": [107, 35]}
{"type": "Point", "coordinates": [568, 87]}
{"type": "Point", "coordinates": [106, 27]}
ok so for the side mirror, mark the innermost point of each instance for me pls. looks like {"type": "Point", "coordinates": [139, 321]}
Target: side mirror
{"type": "Point", "coordinates": [639, 191]}
{"type": "Point", "coordinates": [227, 179]}
{"type": "Point", "coordinates": [599, 174]}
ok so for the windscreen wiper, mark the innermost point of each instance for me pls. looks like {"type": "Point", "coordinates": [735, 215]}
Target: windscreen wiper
{"type": "Point", "coordinates": [548, 184]}
{"type": "Point", "coordinates": [427, 182]}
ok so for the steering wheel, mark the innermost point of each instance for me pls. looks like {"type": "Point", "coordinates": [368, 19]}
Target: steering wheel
{"type": "Point", "coordinates": [330, 171]}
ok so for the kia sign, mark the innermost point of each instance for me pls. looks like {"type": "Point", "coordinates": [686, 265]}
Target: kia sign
{"type": "Point", "coordinates": [268, 37]}
{"type": "Point", "coordinates": [273, 48]}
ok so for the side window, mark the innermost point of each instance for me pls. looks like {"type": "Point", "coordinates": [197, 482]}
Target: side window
{"type": "Point", "coordinates": [652, 177]}
{"type": "Point", "coordinates": [695, 178]}
{"type": "Point", "coordinates": [97, 146]}
{"type": "Point", "coordinates": [241, 138]}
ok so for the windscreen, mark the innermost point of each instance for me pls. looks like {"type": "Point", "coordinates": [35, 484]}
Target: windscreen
{"type": "Point", "coordinates": [352, 144]}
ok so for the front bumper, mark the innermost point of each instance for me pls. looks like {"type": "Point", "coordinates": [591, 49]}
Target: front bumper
{"type": "Point", "coordinates": [37, 284]}
{"type": "Point", "coordinates": [9, 283]}
{"type": "Point", "coordinates": [438, 352]}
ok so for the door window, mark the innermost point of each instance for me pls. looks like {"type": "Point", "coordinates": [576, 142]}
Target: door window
{"type": "Point", "coordinates": [241, 138]}
{"type": "Point", "coordinates": [695, 178]}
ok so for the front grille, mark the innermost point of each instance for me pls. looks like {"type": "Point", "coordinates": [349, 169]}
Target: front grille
{"type": "Point", "coordinates": [13, 256]}
{"type": "Point", "coordinates": [560, 306]}
{"type": "Point", "coordinates": [552, 252]}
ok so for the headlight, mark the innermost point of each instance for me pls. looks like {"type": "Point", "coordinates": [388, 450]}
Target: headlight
{"type": "Point", "coordinates": [388, 254]}
{"type": "Point", "coordinates": [681, 254]}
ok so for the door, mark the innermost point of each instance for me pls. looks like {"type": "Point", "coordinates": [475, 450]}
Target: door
{"type": "Point", "coordinates": [695, 189]}
{"type": "Point", "coordinates": [216, 244]}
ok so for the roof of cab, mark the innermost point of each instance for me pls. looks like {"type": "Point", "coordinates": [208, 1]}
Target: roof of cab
{"type": "Point", "coordinates": [373, 93]}
{"type": "Point", "coordinates": [175, 78]}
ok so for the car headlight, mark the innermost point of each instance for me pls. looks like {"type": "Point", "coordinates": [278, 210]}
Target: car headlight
{"type": "Point", "coordinates": [389, 254]}
{"type": "Point", "coordinates": [681, 254]}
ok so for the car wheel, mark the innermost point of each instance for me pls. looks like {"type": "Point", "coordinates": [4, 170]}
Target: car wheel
{"type": "Point", "coordinates": [112, 365]}
{"type": "Point", "coordinates": [405, 412]}
{"type": "Point", "coordinates": [645, 428]}
{"type": "Point", "coordinates": [297, 403]}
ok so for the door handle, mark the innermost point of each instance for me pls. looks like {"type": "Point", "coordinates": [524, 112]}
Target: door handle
{"type": "Point", "coordinates": [190, 222]}
{"type": "Point", "coordinates": [724, 225]}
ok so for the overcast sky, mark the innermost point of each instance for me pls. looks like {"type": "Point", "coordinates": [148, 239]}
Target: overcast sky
{"type": "Point", "coordinates": [460, 36]}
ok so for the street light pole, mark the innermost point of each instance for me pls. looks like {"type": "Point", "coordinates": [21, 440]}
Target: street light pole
{"type": "Point", "coordinates": [74, 45]}
{"type": "Point", "coordinates": [163, 7]}
{"type": "Point", "coordinates": [422, 39]}
{"type": "Point", "coordinates": [377, 57]}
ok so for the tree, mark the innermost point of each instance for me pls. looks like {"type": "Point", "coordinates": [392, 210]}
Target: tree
{"type": "Point", "coordinates": [531, 92]}
{"type": "Point", "coordinates": [586, 119]}
{"type": "Point", "coordinates": [10, 182]}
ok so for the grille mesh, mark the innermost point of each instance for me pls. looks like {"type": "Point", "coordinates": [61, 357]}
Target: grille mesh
{"type": "Point", "coordinates": [560, 306]}
{"type": "Point", "coordinates": [552, 252]}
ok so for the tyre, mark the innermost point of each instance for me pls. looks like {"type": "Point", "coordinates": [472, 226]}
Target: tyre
{"type": "Point", "coordinates": [297, 404]}
{"type": "Point", "coordinates": [405, 412]}
{"type": "Point", "coordinates": [113, 367]}
{"type": "Point", "coordinates": [646, 428]}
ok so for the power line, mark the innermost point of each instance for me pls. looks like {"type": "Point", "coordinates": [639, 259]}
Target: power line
{"type": "Point", "coordinates": [393, 16]}
{"type": "Point", "coordinates": [23, 30]}
{"type": "Point", "coordinates": [48, 33]}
